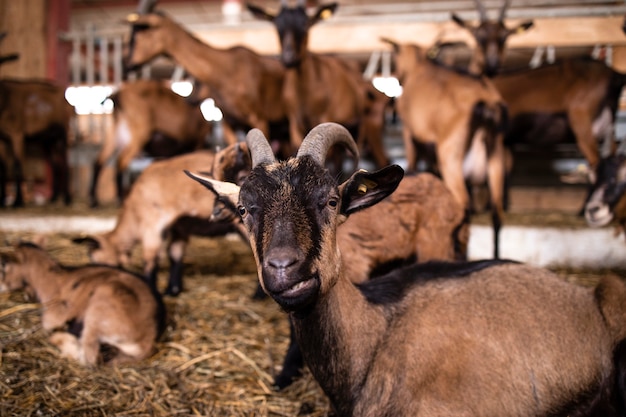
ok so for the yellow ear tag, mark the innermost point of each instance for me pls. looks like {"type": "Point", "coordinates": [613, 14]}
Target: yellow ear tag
{"type": "Point", "coordinates": [362, 189]}
{"type": "Point", "coordinates": [133, 17]}
{"type": "Point", "coordinates": [326, 14]}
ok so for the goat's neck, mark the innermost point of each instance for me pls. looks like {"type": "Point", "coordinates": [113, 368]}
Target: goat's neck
{"type": "Point", "coordinates": [338, 339]}
{"type": "Point", "coordinates": [45, 283]}
{"type": "Point", "coordinates": [202, 61]}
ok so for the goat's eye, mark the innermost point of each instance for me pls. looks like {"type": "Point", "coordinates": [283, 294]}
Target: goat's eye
{"type": "Point", "coordinates": [333, 202]}
{"type": "Point", "coordinates": [242, 211]}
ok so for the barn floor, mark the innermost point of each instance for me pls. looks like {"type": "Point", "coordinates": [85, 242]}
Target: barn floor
{"type": "Point", "coordinates": [221, 349]}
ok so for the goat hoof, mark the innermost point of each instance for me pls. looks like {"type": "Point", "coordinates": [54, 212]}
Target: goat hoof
{"type": "Point", "coordinates": [173, 291]}
{"type": "Point", "coordinates": [283, 380]}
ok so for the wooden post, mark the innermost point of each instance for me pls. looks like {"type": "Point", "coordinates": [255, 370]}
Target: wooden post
{"type": "Point", "coordinates": [58, 51]}
{"type": "Point", "coordinates": [25, 24]}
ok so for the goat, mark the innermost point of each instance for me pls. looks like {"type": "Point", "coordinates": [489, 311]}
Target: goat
{"type": "Point", "coordinates": [245, 86]}
{"type": "Point", "coordinates": [34, 111]}
{"type": "Point", "coordinates": [149, 117]}
{"type": "Point", "coordinates": [483, 338]}
{"type": "Point", "coordinates": [466, 125]}
{"type": "Point", "coordinates": [89, 306]}
{"type": "Point", "coordinates": [607, 200]}
{"type": "Point", "coordinates": [421, 221]}
{"type": "Point", "coordinates": [324, 88]}
{"type": "Point", "coordinates": [151, 216]}
{"type": "Point", "coordinates": [585, 91]}
{"type": "Point", "coordinates": [490, 37]}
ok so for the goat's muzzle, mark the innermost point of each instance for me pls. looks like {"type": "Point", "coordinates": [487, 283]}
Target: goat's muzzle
{"type": "Point", "coordinates": [285, 280]}
{"type": "Point", "coordinates": [598, 214]}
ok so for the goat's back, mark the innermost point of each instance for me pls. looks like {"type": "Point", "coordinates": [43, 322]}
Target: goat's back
{"type": "Point", "coordinates": [420, 221]}
{"type": "Point", "coordinates": [501, 338]}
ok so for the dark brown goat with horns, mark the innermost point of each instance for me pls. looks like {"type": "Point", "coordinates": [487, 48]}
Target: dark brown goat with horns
{"type": "Point", "coordinates": [324, 88]}
{"type": "Point", "coordinates": [486, 338]}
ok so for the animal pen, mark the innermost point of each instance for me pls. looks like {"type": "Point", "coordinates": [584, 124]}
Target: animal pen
{"type": "Point", "coordinates": [221, 348]}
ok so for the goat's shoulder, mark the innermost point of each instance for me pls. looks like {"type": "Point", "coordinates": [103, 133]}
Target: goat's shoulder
{"type": "Point", "coordinates": [395, 285]}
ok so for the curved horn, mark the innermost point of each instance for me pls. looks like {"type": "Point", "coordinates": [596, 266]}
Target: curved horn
{"type": "Point", "coordinates": [146, 6]}
{"type": "Point", "coordinates": [505, 6]}
{"type": "Point", "coordinates": [481, 10]}
{"type": "Point", "coordinates": [260, 149]}
{"type": "Point", "coordinates": [322, 137]}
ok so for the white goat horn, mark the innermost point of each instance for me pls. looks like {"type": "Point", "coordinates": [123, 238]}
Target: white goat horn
{"type": "Point", "coordinates": [322, 137]}
{"type": "Point", "coordinates": [260, 149]}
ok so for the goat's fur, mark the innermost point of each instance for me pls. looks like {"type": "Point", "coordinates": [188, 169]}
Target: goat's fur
{"type": "Point", "coordinates": [148, 117]}
{"type": "Point", "coordinates": [152, 216]}
{"type": "Point", "coordinates": [245, 86]}
{"type": "Point", "coordinates": [34, 111]}
{"type": "Point", "coordinates": [607, 199]}
{"type": "Point", "coordinates": [466, 125]}
{"type": "Point", "coordinates": [466, 339]}
{"type": "Point", "coordinates": [420, 222]}
{"type": "Point", "coordinates": [324, 88]}
{"type": "Point", "coordinates": [89, 306]}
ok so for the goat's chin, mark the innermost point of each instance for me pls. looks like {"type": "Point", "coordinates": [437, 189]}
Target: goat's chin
{"type": "Point", "coordinates": [298, 296]}
{"type": "Point", "coordinates": [599, 217]}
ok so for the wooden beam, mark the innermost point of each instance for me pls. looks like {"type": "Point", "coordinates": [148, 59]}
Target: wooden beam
{"type": "Point", "coordinates": [364, 37]}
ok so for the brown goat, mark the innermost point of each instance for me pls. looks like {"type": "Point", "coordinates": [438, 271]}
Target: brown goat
{"type": "Point", "coordinates": [607, 200]}
{"type": "Point", "coordinates": [323, 88]}
{"type": "Point", "coordinates": [463, 116]}
{"type": "Point", "coordinates": [586, 92]}
{"type": "Point", "coordinates": [88, 307]}
{"type": "Point", "coordinates": [149, 117]}
{"type": "Point", "coordinates": [151, 216]}
{"type": "Point", "coordinates": [486, 338]}
{"type": "Point", "coordinates": [421, 221]}
{"type": "Point", "coordinates": [490, 37]}
{"type": "Point", "coordinates": [245, 86]}
{"type": "Point", "coordinates": [34, 111]}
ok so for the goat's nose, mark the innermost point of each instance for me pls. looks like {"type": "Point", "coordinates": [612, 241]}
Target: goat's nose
{"type": "Point", "coordinates": [282, 259]}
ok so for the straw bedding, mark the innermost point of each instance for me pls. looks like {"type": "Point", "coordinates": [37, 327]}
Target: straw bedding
{"type": "Point", "coordinates": [217, 356]}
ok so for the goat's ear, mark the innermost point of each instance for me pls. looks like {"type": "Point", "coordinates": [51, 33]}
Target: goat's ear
{"type": "Point", "coordinates": [260, 13]}
{"type": "Point", "coordinates": [457, 19]}
{"type": "Point", "coordinates": [323, 12]}
{"type": "Point", "coordinates": [394, 44]}
{"type": "Point", "coordinates": [364, 189]}
{"type": "Point", "coordinates": [90, 242]}
{"type": "Point", "coordinates": [221, 189]}
{"type": "Point", "coordinates": [522, 27]}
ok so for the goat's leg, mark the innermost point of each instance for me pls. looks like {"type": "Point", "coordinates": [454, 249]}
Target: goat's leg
{"type": "Point", "coordinates": [126, 156]}
{"type": "Point", "coordinates": [176, 253]}
{"type": "Point", "coordinates": [409, 150]}
{"type": "Point", "coordinates": [19, 180]}
{"type": "Point", "coordinates": [293, 362]}
{"type": "Point", "coordinates": [496, 175]}
{"type": "Point", "coordinates": [104, 157]}
{"type": "Point", "coordinates": [67, 344]}
{"type": "Point", "coordinates": [89, 344]}
{"type": "Point", "coordinates": [580, 122]}
{"type": "Point", "coordinates": [3, 182]}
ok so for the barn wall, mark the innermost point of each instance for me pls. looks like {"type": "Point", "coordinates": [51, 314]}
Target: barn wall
{"type": "Point", "coordinates": [25, 24]}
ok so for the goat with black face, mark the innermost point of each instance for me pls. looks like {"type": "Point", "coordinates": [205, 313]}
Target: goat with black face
{"type": "Point", "coordinates": [474, 339]}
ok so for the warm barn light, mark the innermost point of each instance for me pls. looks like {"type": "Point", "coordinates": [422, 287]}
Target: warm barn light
{"type": "Point", "coordinates": [90, 100]}
{"type": "Point", "coordinates": [210, 112]}
{"type": "Point", "coordinates": [388, 85]}
{"type": "Point", "coordinates": [182, 88]}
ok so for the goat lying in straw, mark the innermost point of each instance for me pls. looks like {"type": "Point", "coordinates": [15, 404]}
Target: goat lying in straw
{"type": "Point", "coordinates": [89, 306]}
{"type": "Point", "coordinates": [421, 221]}
{"type": "Point", "coordinates": [155, 218]}
{"type": "Point", "coordinates": [487, 338]}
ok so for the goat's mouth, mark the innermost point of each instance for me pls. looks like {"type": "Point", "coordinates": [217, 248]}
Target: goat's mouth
{"type": "Point", "coordinates": [598, 215]}
{"type": "Point", "coordinates": [295, 295]}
